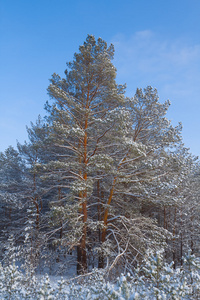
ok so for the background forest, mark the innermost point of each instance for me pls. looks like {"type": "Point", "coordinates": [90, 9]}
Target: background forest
{"type": "Point", "coordinates": [102, 178]}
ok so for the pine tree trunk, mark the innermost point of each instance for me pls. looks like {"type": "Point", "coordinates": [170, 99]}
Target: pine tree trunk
{"type": "Point", "coordinates": [79, 264]}
{"type": "Point", "coordinates": [100, 257]}
{"type": "Point", "coordinates": [174, 239]}
{"type": "Point", "coordinates": [191, 233]}
{"type": "Point", "coordinates": [100, 213]}
{"type": "Point", "coordinates": [105, 218]}
{"type": "Point", "coordinates": [165, 219]}
{"type": "Point", "coordinates": [81, 250]}
{"type": "Point", "coordinates": [101, 261]}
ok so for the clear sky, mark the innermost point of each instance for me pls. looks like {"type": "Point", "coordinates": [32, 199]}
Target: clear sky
{"type": "Point", "coordinates": [156, 43]}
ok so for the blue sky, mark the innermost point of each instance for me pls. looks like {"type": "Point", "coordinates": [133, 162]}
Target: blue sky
{"type": "Point", "coordinates": [156, 43]}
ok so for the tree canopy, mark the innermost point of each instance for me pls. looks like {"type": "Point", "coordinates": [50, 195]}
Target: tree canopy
{"type": "Point", "coordinates": [103, 176]}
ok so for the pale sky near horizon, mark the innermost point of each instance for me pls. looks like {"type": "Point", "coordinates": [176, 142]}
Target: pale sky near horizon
{"type": "Point", "coordinates": [156, 43]}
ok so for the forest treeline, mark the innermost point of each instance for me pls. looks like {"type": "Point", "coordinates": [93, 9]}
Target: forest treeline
{"type": "Point", "coordinates": [102, 178]}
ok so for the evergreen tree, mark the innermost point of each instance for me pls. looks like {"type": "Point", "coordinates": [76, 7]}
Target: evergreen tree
{"type": "Point", "coordinates": [87, 107]}
{"type": "Point", "coordinates": [106, 156]}
{"type": "Point", "coordinates": [11, 187]}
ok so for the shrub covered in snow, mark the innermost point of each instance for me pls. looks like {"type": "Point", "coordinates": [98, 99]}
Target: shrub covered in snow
{"type": "Point", "coordinates": [154, 279]}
